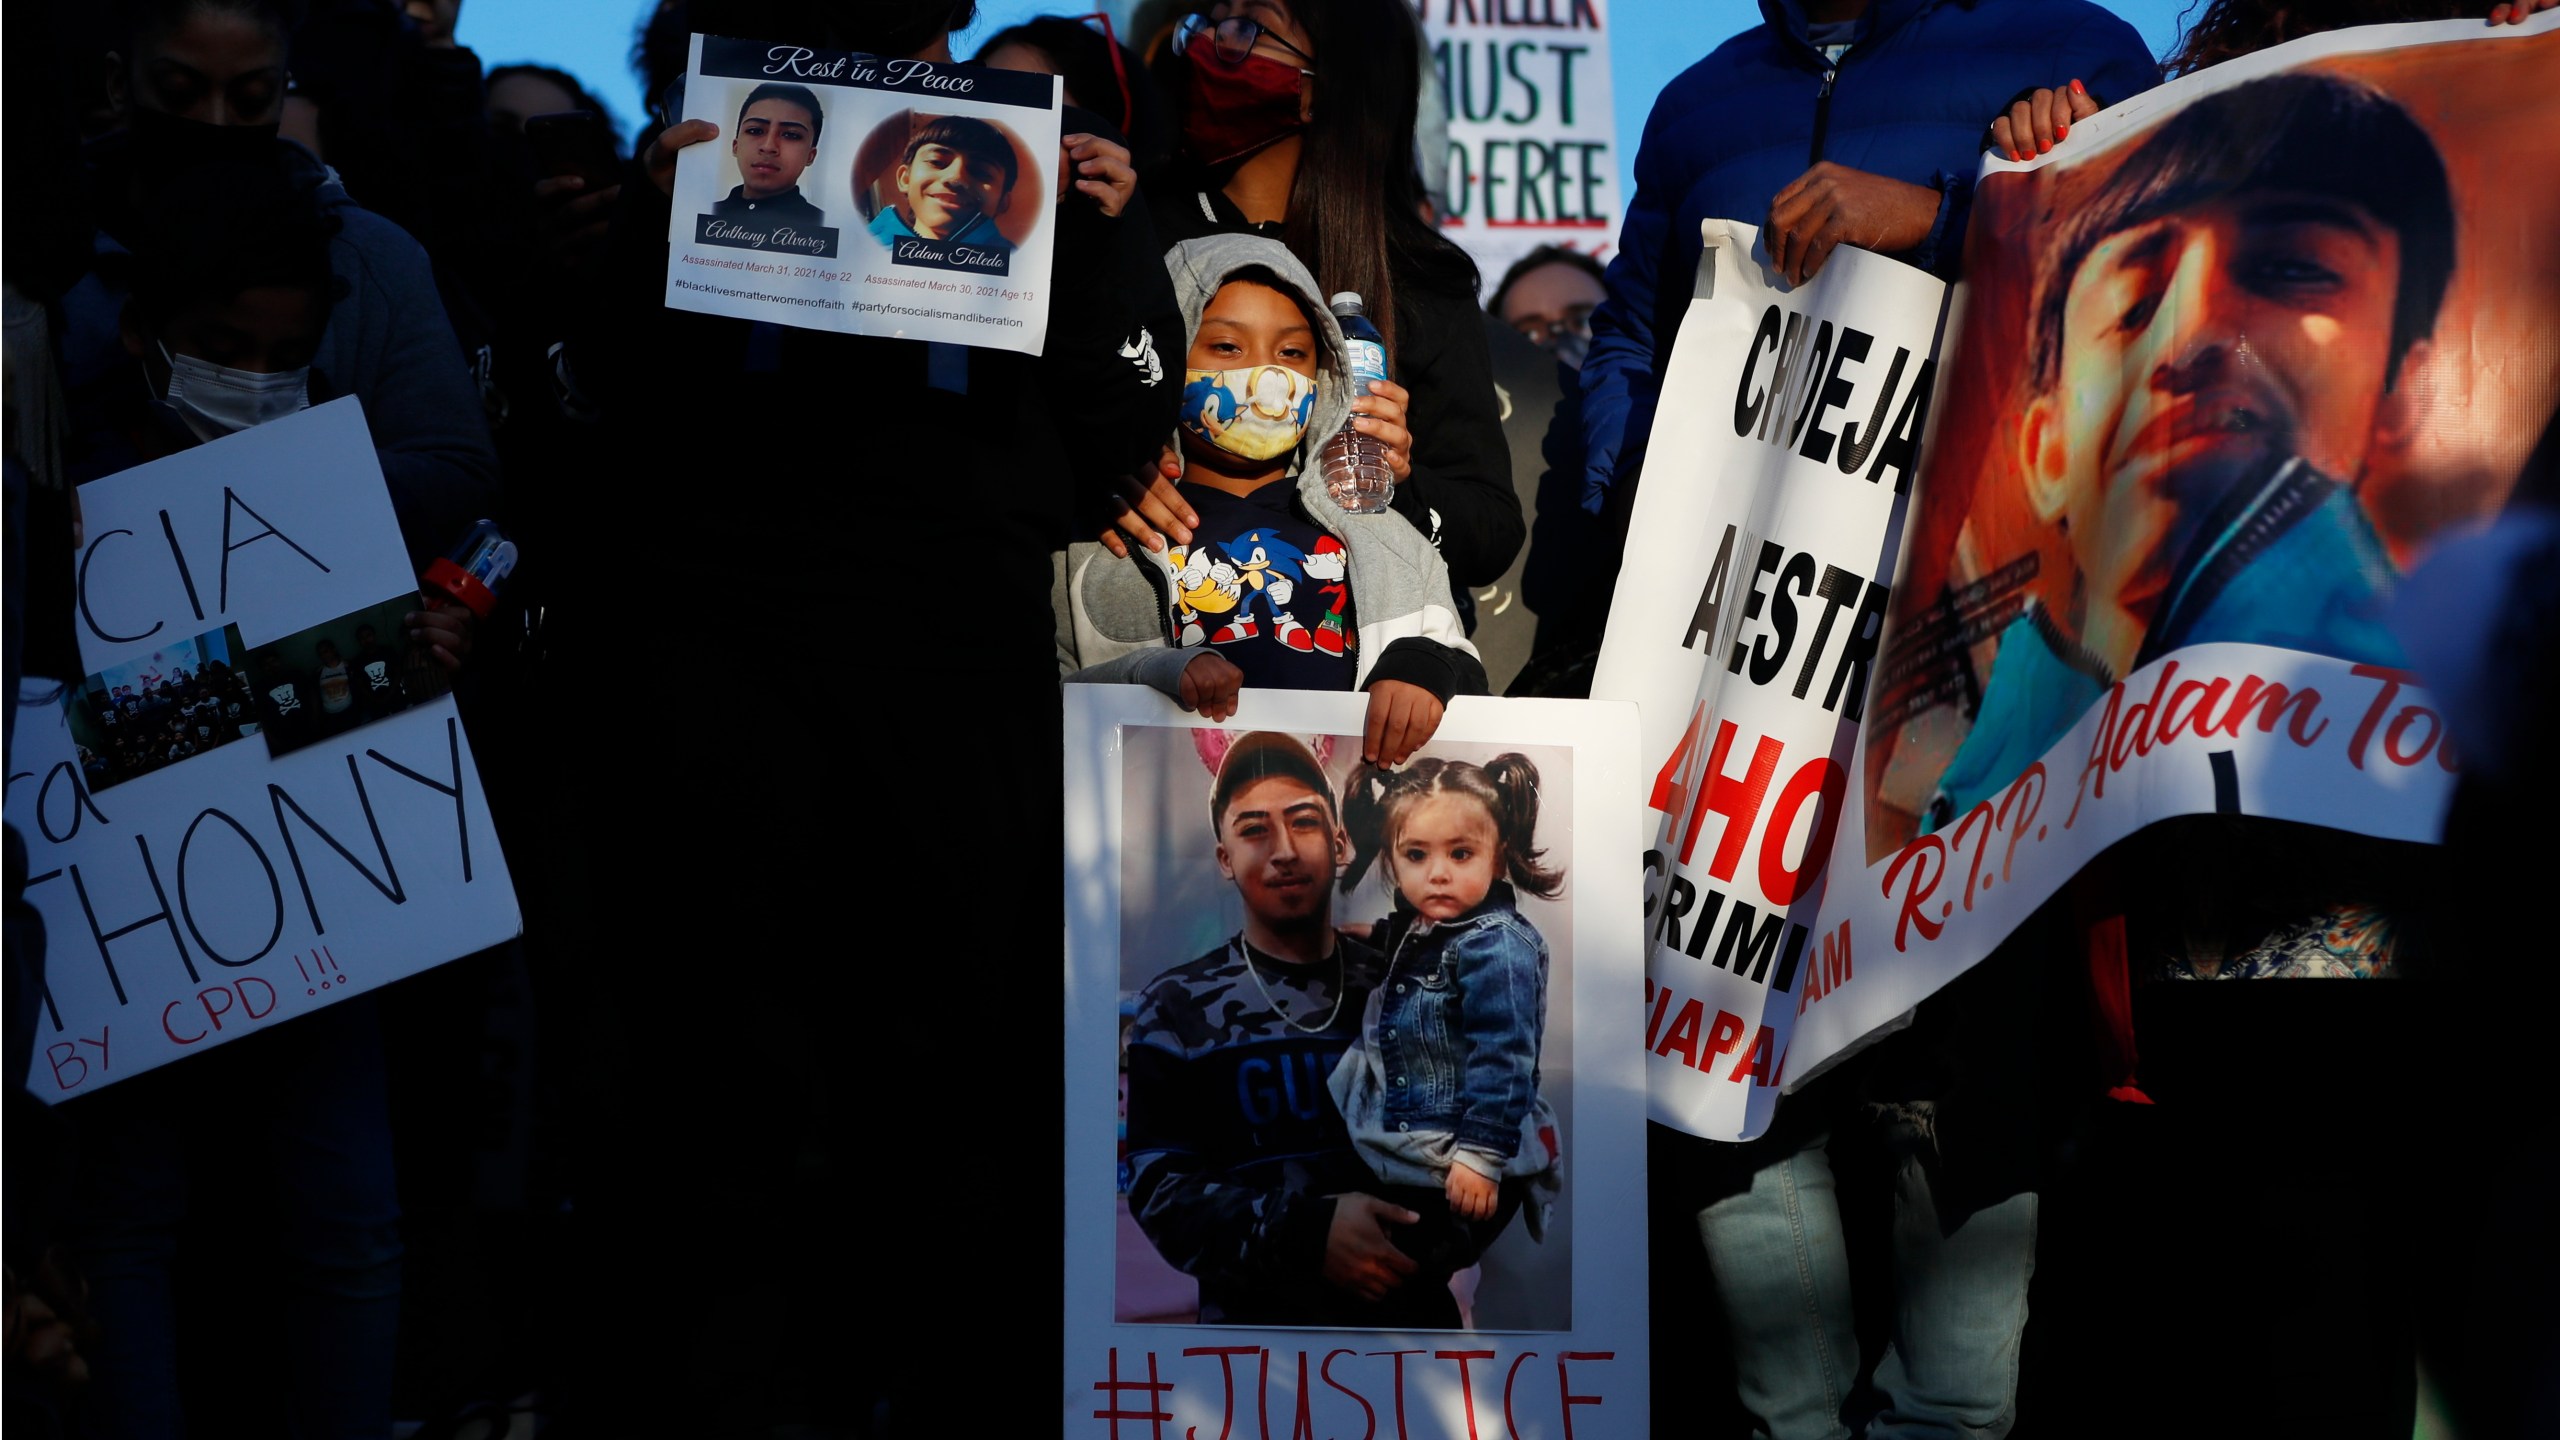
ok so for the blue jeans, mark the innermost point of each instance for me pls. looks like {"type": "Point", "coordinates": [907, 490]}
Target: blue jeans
{"type": "Point", "coordinates": [1782, 1274]}
{"type": "Point", "coordinates": [309, 1101]}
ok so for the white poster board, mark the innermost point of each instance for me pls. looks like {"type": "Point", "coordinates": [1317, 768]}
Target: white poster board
{"type": "Point", "coordinates": [1533, 133]}
{"type": "Point", "coordinates": [1546, 1332]}
{"type": "Point", "coordinates": [1745, 628]}
{"type": "Point", "coordinates": [848, 192]}
{"type": "Point", "coordinates": [258, 801]}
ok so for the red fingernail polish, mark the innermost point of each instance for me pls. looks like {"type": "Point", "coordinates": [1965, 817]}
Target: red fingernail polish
{"type": "Point", "coordinates": [2042, 146]}
{"type": "Point", "coordinates": [2077, 86]}
{"type": "Point", "coordinates": [2061, 132]}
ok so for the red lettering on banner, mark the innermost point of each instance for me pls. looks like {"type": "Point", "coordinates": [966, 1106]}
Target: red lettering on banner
{"type": "Point", "coordinates": [1683, 1035]}
{"type": "Point", "coordinates": [2205, 694]}
{"type": "Point", "coordinates": [1736, 798]}
{"type": "Point", "coordinates": [1564, 1384]}
{"type": "Point", "coordinates": [1722, 1037]}
{"type": "Point", "coordinates": [1829, 971]}
{"type": "Point", "coordinates": [61, 1053]}
{"type": "Point", "coordinates": [2136, 732]}
{"type": "Point", "coordinates": [2096, 769]}
{"type": "Point", "coordinates": [1762, 1062]}
{"type": "Point", "coordinates": [1466, 1382]}
{"type": "Point", "coordinates": [1151, 1388]}
{"type": "Point", "coordinates": [1926, 858]}
{"type": "Point", "coordinates": [1369, 1415]}
{"type": "Point", "coordinates": [1661, 998]}
{"type": "Point", "coordinates": [2391, 680]}
{"type": "Point", "coordinates": [1399, 1364]}
{"type": "Point", "coordinates": [2400, 727]}
{"type": "Point", "coordinates": [1227, 1375]}
{"type": "Point", "coordinates": [1824, 778]}
{"type": "Point", "coordinates": [1510, 1378]}
{"type": "Point", "coordinates": [172, 1032]}
{"type": "Point", "coordinates": [2272, 696]}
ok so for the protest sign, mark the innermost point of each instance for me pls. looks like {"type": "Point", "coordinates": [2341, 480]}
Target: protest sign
{"type": "Point", "coordinates": [1533, 139]}
{"type": "Point", "coordinates": [1207, 1077]}
{"type": "Point", "coordinates": [259, 800]}
{"type": "Point", "coordinates": [1744, 628]}
{"type": "Point", "coordinates": [2147, 571]}
{"type": "Point", "coordinates": [849, 192]}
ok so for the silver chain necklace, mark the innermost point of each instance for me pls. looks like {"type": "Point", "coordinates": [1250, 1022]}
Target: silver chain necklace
{"type": "Point", "coordinates": [1245, 955]}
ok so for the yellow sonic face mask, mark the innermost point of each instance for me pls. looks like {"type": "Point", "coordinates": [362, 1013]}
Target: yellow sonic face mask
{"type": "Point", "coordinates": [1259, 412]}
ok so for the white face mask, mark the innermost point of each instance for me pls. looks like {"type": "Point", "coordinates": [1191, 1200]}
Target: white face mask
{"type": "Point", "coordinates": [216, 400]}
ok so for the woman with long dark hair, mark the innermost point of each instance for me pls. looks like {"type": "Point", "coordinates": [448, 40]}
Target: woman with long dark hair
{"type": "Point", "coordinates": [1297, 122]}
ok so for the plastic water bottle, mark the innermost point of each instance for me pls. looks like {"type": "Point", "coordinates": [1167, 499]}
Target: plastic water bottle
{"type": "Point", "coordinates": [1355, 465]}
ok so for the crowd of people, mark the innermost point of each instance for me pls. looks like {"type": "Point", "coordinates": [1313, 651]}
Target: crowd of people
{"type": "Point", "coordinates": [707, 1151]}
{"type": "Point", "coordinates": [161, 719]}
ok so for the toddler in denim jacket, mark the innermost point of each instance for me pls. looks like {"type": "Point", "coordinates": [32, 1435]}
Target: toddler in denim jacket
{"type": "Point", "coordinates": [1440, 1092]}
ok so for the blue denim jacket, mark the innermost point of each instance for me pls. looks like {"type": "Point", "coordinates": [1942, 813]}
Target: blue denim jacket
{"type": "Point", "coordinates": [1452, 1044]}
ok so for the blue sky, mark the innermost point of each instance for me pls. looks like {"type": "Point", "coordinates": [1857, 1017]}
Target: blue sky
{"type": "Point", "coordinates": [1653, 41]}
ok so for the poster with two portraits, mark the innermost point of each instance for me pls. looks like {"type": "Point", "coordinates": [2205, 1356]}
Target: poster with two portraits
{"type": "Point", "coordinates": [1219, 1156]}
{"type": "Point", "coordinates": [2224, 368]}
{"type": "Point", "coordinates": [874, 196]}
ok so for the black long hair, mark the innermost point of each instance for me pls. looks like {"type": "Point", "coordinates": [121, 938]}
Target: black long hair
{"type": "Point", "coordinates": [1375, 799]}
{"type": "Point", "coordinates": [1356, 212]}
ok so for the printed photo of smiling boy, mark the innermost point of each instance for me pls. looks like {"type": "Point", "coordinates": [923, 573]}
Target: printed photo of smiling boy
{"type": "Point", "coordinates": [955, 177]}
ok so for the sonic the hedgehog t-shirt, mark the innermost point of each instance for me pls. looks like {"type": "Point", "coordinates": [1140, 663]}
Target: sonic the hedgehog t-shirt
{"type": "Point", "coordinates": [1262, 585]}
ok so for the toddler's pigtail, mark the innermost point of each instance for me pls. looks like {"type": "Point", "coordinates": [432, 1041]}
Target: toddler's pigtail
{"type": "Point", "coordinates": [1364, 817]}
{"type": "Point", "coordinates": [1514, 778]}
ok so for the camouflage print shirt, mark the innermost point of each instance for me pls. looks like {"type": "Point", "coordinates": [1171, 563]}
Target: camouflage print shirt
{"type": "Point", "coordinates": [1235, 1146]}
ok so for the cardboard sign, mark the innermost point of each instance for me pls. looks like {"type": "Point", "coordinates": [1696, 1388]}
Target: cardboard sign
{"type": "Point", "coordinates": [878, 197]}
{"type": "Point", "coordinates": [1533, 138]}
{"type": "Point", "coordinates": [260, 800]}
{"type": "Point", "coordinates": [1221, 1094]}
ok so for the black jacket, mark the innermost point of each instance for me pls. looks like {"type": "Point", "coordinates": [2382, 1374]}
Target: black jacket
{"type": "Point", "coordinates": [789, 208]}
{"type": "Point", "coordinates": [814, 482]}
{"type": "Point", "coordinates": [1460, 491]}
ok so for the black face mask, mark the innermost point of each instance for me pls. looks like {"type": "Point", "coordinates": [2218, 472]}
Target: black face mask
{"type": "Point", "coordinates": [169, 144]}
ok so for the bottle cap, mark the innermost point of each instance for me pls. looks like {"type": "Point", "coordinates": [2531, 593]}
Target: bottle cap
{"type": "Point", "coordinates": [1347, 300]}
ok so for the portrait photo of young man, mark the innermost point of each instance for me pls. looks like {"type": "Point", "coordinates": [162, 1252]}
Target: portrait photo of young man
{"type": "Point", "coordinates": [775, 143]}
{"type": "Point", "coordinates": [955, 178]}
{"type": "Point", "coordinates": [2218, 344]}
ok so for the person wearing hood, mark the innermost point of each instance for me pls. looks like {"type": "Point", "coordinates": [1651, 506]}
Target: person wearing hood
{"type": "Point", "coordinates": [1277, 586]}
{"type": "Point", "coordinates": [1298, 125]}
{"type": "Point", "coordinates": [201, 83]}
{"type": "Point", "coordinates": [232, 286]}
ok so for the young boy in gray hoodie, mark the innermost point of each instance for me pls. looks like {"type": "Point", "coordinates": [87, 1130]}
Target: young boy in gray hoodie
{"type": "Point", "coordinates": [1277, 586]}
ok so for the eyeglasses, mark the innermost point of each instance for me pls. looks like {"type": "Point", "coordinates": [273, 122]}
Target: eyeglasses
{"type": "Point", "coordinates": [1231, 39]}
{"type": "Point", "coordinates": [1546, 331]}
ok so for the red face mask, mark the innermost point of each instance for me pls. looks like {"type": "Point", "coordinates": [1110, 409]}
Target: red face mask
{"type": "Point", "coordinates": [1230, 111]}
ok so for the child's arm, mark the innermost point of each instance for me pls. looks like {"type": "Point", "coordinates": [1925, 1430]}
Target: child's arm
{"type": "Point", "coordinates": [1200, 680]}
{"type": "Point", "coordinates": [1409, 689]}
{"type": "Point", "coordinates": [1501, 978]}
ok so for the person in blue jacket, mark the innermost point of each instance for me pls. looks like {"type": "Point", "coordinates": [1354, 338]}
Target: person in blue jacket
{"type": "Point", "coordinates": [1834, 122]}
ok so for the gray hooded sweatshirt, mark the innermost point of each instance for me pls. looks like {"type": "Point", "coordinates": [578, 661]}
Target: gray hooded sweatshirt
{"type": "Point", "coordinates": [1115, 616]}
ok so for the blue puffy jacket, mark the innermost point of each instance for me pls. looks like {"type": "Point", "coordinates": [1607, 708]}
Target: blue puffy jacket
{"type": "Point", "coordinates": [1911, 99]}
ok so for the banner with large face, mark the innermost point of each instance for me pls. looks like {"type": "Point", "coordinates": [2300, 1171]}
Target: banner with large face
{"type": "Point", "coordinates": [2223, 366]}
{"type": "Point", "coordinates": [1353, 1110]}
